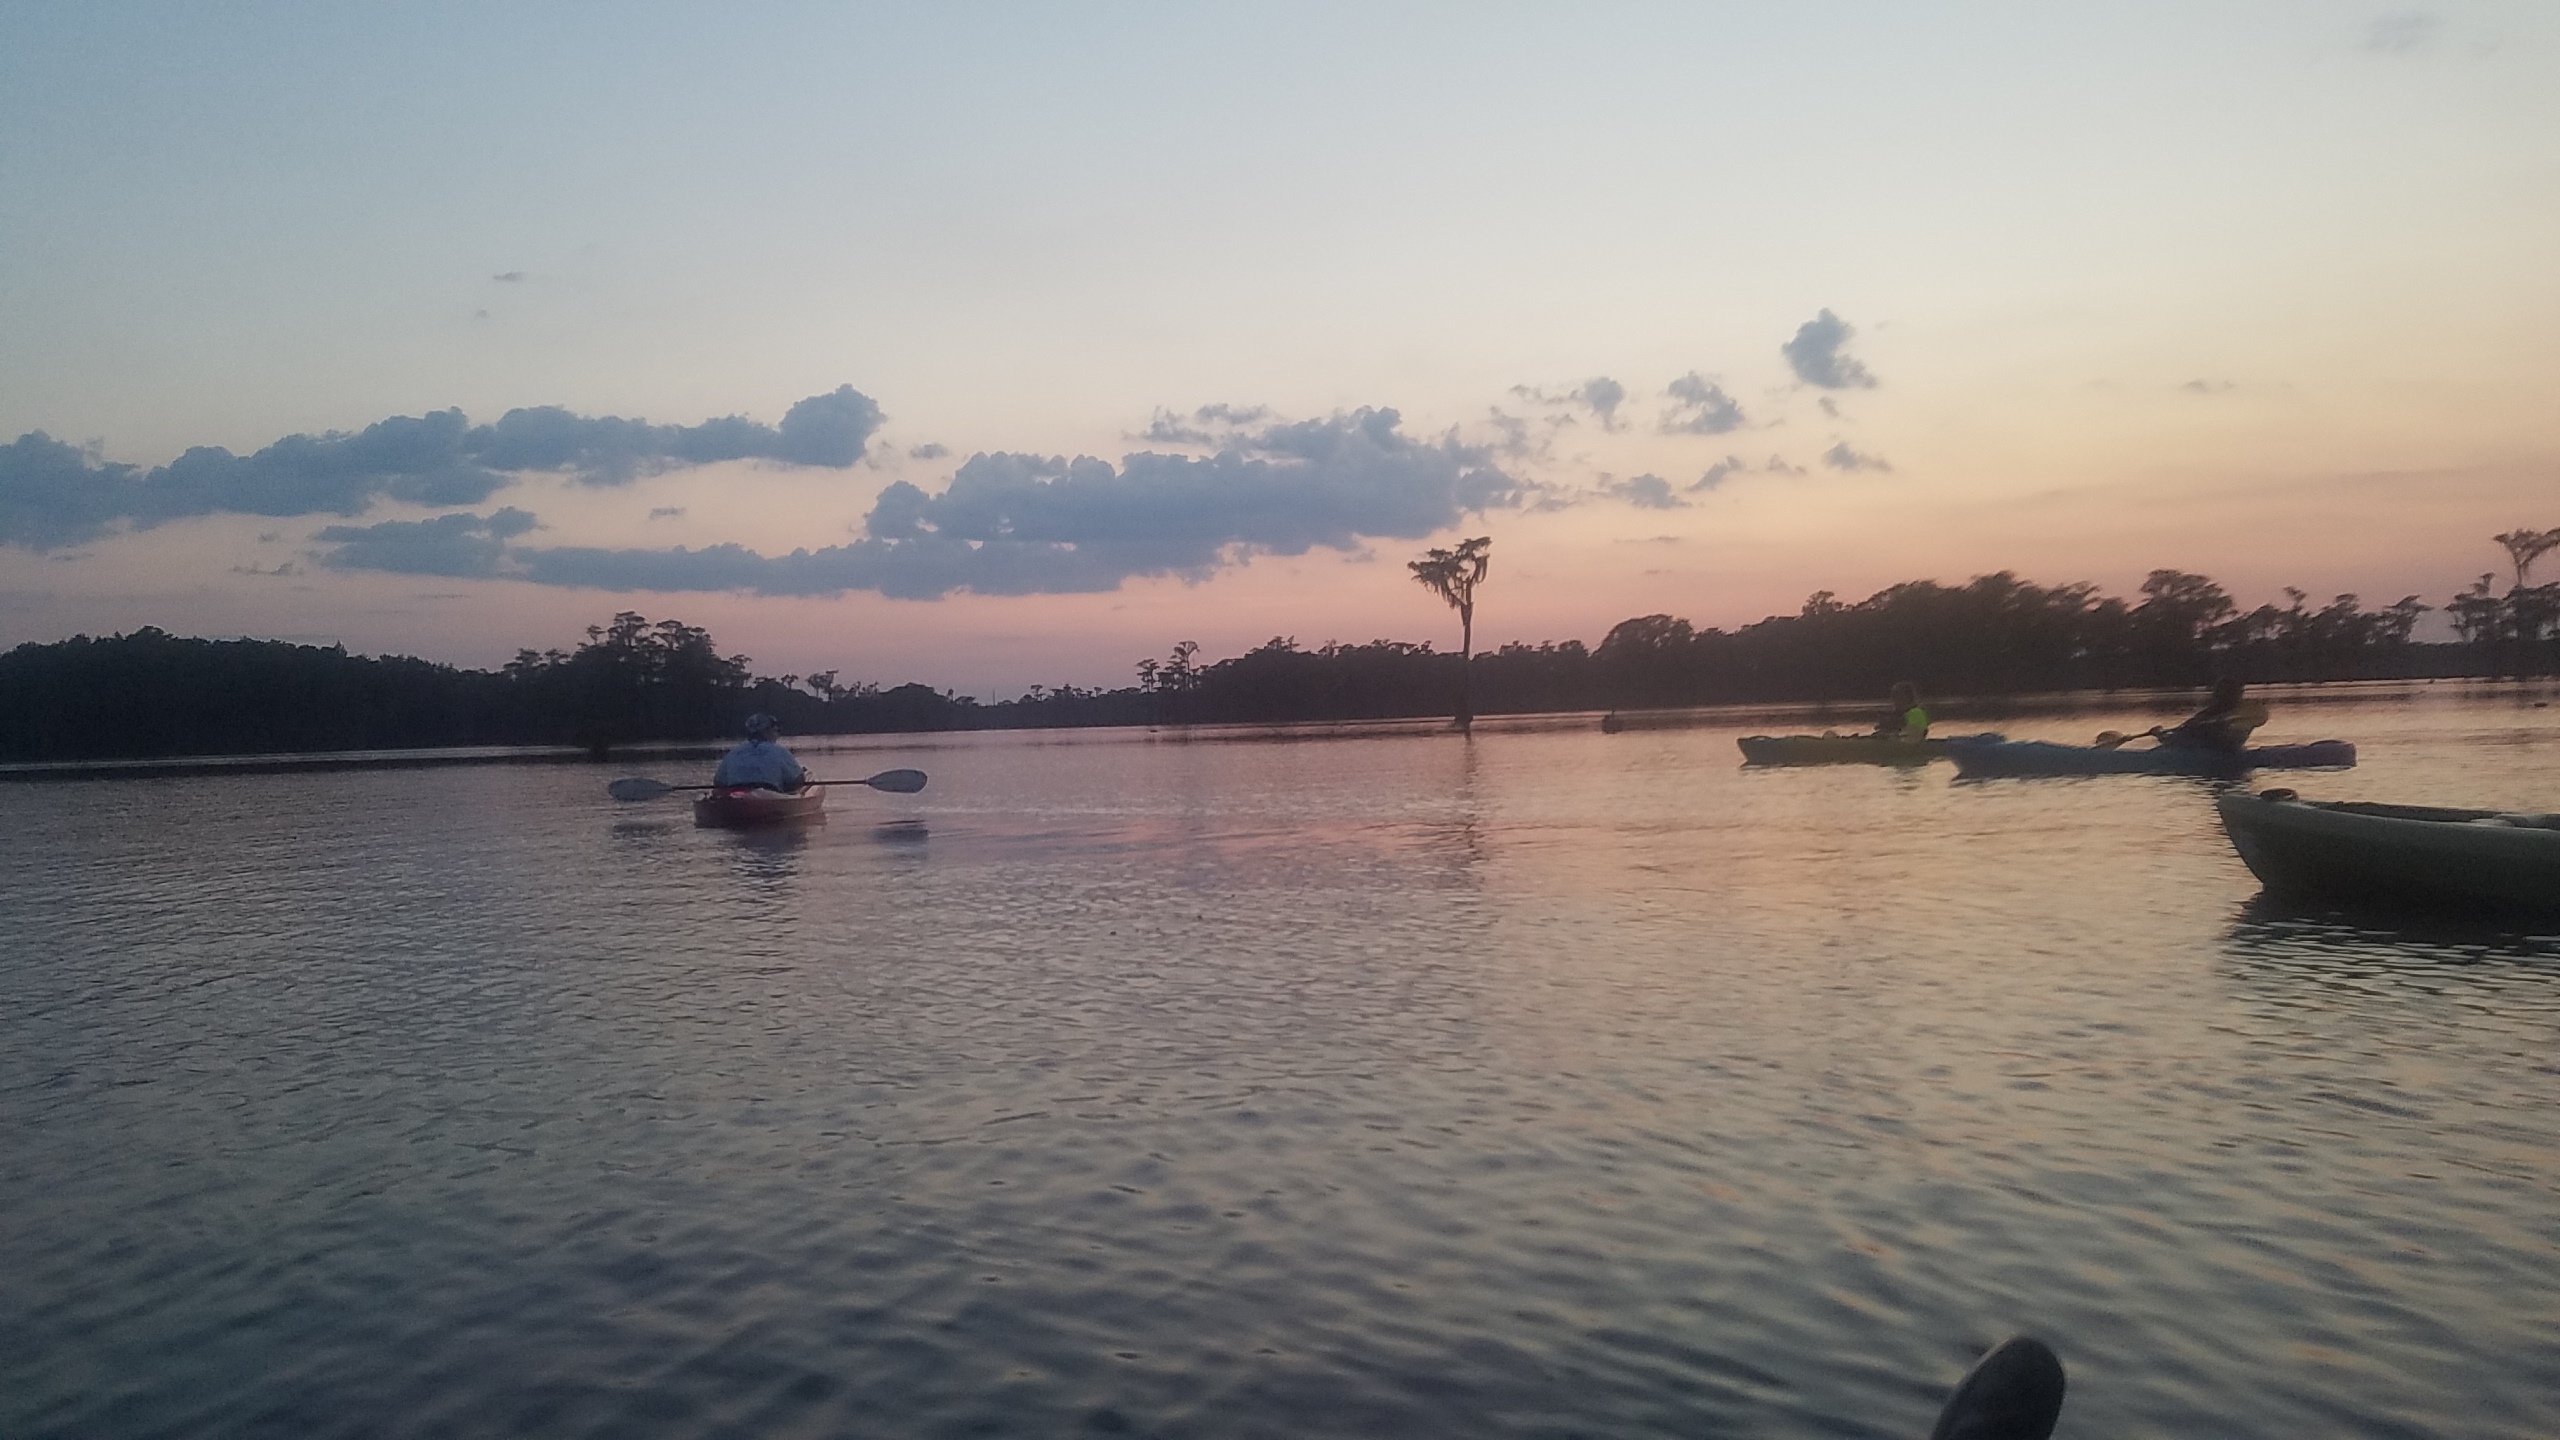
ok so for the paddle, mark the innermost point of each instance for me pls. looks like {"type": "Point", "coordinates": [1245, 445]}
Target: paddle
{"type": "Point", "coordinates": [638, 787]}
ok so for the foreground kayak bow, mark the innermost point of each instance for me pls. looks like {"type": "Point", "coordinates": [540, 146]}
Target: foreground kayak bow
{"type": "Point", "coordinates": [2411, 854]}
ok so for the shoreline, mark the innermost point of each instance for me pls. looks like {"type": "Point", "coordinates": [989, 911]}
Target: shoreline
{"type": "Point", "coordinates": [2540, 691]}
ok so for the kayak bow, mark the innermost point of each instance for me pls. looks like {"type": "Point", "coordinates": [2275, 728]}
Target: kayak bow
{"type": "Point", "coordinates": [2365, 852]}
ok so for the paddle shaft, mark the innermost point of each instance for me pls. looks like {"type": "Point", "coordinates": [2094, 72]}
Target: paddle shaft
{"type": "Point", "coordinates": [641, 787]}
{"type": "Point", "coordinates": [805, 784]}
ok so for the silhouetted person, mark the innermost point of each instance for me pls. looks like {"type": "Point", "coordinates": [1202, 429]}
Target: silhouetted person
{"type": "Point", "coordinates": [1904, 719]}
{"type": "Point", "coordinates": [760, 762]}
{"type": "Point", "coordinates": [2218, 726]}
{"type": "Point", "coordinates": [2013, 1393]}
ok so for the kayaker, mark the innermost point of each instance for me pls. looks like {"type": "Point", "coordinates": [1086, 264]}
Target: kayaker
{"type": "Point", "coordinates": [760, 762]}
{"type": "Point", "coordinates": [1904, 719]}
{"type": "Point", "coordinates": [2220, 725]}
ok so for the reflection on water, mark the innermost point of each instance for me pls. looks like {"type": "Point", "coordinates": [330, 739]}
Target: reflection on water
{"type": "Point", "coordinates": [769, 839]}
{"type": "Point", "coordinates": [2277, 927]}
{"type": "Point", "coordinates": [766, 858]}
{"type": "Point", "coordinates": [1537, 1083]}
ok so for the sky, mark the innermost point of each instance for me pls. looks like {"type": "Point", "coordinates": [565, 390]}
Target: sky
{"type": "Point", "coordinates": [996, 345]}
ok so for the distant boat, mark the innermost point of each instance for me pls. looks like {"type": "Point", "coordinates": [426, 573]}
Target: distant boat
{"type": "Point", "coordinates": [2354, 850]}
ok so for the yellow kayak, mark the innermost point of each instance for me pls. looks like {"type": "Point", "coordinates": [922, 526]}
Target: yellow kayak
{"type": "Point", "coordinates": [1838, 750]}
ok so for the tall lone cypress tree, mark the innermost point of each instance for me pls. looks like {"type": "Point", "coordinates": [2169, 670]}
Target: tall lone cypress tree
{"type": "Point", "coordinates": [1453, 576]}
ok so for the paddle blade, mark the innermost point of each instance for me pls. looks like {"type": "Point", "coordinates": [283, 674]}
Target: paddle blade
{"type": "Point", "coordinates": [2110, 739]}
{"type": "Point", "coordinates": [897, 782]}
{"type": "Point", "coordinates": [638, 788]}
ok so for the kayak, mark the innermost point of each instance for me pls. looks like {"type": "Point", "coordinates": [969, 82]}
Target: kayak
{"type": "Point", "coordinates": [2039, 757]}
{"type": "Point", "coordinates": [757, 806]}
{"type": "Point", "coordinates": [2361, 851]}
{"type": "Point", "coordinates": [1842, 750]}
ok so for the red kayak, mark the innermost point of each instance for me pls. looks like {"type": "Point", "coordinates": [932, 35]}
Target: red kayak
{"type": "Point", "coordinates": [755, 805]}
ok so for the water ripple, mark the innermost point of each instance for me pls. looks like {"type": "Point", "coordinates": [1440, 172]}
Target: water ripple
{"type": "Point", "coordinates": [1544, 1085]}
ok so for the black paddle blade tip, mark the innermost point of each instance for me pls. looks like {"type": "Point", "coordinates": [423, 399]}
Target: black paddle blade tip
{"type": "Point", "coordinates": [897, 782]}
{"type": "Point", "coordinates": [2013, 1393]}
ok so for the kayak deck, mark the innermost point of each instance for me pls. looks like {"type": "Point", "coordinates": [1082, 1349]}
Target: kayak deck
{"type": "Point", "coordinates": [745, 807]}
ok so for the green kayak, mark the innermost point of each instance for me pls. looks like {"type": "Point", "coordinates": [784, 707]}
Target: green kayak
{"type": "Point", "coordinates": [2356, 851]}
{"type": "Point", "coordinates": [1842, 750]}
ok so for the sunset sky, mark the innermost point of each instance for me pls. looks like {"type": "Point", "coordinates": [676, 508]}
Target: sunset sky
{"type": "Point", "coordinates": [1054, 335]}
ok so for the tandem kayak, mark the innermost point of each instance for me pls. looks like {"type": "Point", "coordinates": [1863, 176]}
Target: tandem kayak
{"type": "Point", "coordinates": [1843, 749]}
{"type": "Point", "coordinates": [757, 806]}
{"type": "Point", "coordinates": [2038, 757]}
{"type": "Point", "coordinates": [2358, 851]}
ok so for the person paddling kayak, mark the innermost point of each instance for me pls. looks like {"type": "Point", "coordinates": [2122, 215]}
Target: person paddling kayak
{"type": "Point", "coordinates": [760, 762]}
{"type": "Point", "coordinates": [2223, 724]}
{"type": "Point", "coordinates": [1904, 719]}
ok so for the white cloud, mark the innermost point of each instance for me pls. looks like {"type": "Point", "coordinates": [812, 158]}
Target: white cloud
{"type": "Point", "coordinates": [1817, 357]}
{"type": "Point", "coordinates": [1645, 492]}
{"type": "Point", "coordinates": [1841, 457]}
{"type": "Point", "coordinates": [1700, 407]}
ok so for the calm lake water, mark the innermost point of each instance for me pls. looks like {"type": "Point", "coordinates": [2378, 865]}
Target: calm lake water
{"type": "Point", "coordinates": [1546, 1083]}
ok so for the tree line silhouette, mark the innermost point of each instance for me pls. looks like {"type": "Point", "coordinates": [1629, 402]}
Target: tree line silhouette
{"type": "Point", "coordinates": [153, 694]}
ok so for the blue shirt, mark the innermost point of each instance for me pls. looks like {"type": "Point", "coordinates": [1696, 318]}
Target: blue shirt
{"type": "Point", "coordinates": [759, 762]}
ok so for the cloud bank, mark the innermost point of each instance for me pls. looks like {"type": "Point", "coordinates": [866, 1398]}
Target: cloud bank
{"type": "Point", "coordinates": [1816, 357]}
{"type": "Point", "coordinates": [459, 545]}
{"type": "Point", "coordinates": [53, 494]}
{"type": "Point", "coordinates": [1031, 525]}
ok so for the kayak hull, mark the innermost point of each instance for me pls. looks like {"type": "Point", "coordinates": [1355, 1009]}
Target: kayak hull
{"type": "Point", "coordinates": [750, 808]}
{"type": "Point", "coordinates": [1975, 758]}
{"type": "Point", "coordinates": [2406, 854]}
{"type": "Point", "coordinates": [1839, 750]}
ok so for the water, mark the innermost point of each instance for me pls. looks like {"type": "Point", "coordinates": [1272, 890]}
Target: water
{"type": "Point", "coordinates": [1550, 1083]}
